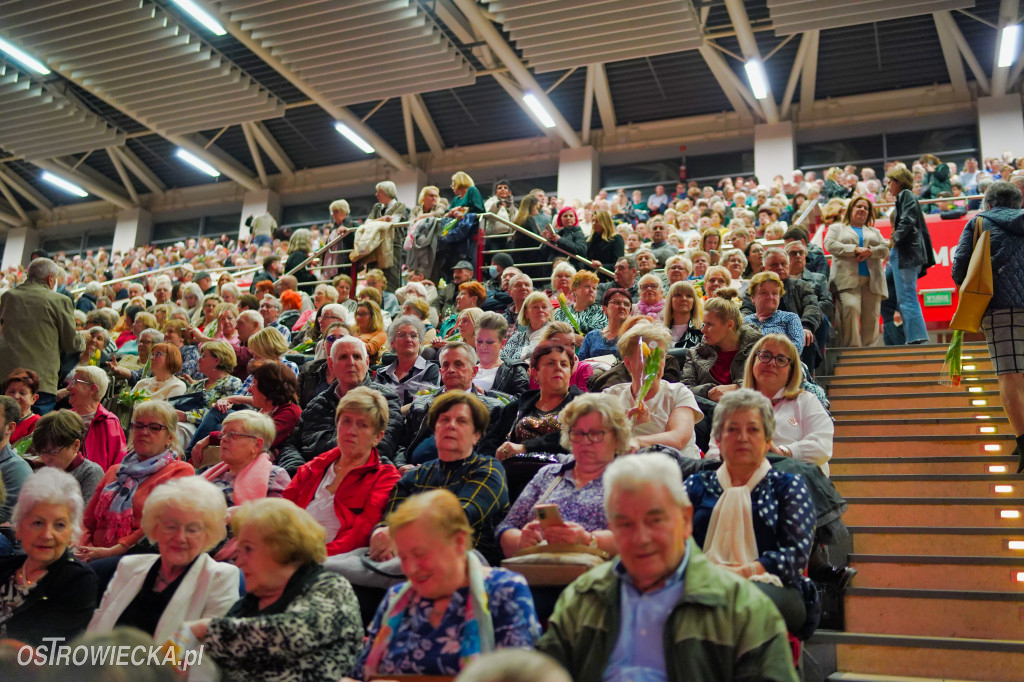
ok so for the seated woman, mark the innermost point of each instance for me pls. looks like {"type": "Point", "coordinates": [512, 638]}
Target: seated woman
{"type": "Point", "coordinates": [296, 620]}
{"type": "Point", "coordinates": [803, 429]}
{"type": "Point", "coordinates": [409, 373]}
{"type": "Point", "coordinates": [226, 327]}
{"type": "Point", "coordinates": [471, 295]}
{"type": "Point", "coordinates": [717, 277]}
{"type": "Point", "coordinates": [165, 363]}
{"type": "Point", "coordinates": [595, 431]}
{"type": "Point", "coordinates": [736, 263]}
{"type": "Point", "coordinates": [216, 360]}
{"type": "Point", "coordinates": [561, 282]}
{"type": "Point", "coordinates": [667, 414]}
{"type": "Point", "coordinates": [493, 373]}
{"type": "Point", "coordinates": [449, 591]}
{"type": "Point", "coordinates": [563, 334]}
{"type": "Point", "coordinates": [176, 334]}
{"type": "Point", "coordinates": [420, 309]}
{"type": "Point", "coordinates": [114, 514]}
{"type": "Point", "coordinates": [752, 519]}
{"type": "Point", "coordinates": [535, 427]}
{"type": "Point", "coordinates": [347, 488]}
{"type": "Point", "coordinates": [715, 367]}
{"type": "Point", "coordinates": [370, 328]}
{"type": "Point", "coordinates": [57, 440]}
{"type": "Point", "coordinates": [104, 441]}
{"type": "Point", "coordinates": [465, 325]}
{"type": "Point", "coordinates": [23, 386]}
{"type": "Point", "coordinates": [584, 305]}
{"type": "Point", "coordinates": [245, 471]}
{"type": "Point", "coordinates": [766, 291]}
{"type": "Point", "coordinates": [616, 305]}
{"type": "Point", "coordinates": [684, 315]}
{"type": "Point", "coordinates": [95, 353]}
{"type": "Point", "coordinates": [158, 593]}
{"type": "Point", "coordinates": [535, 313]}
{"type": "Point", "coordinates": [652, 297]}
{"type": "Point", "coordinates": [46, 592]}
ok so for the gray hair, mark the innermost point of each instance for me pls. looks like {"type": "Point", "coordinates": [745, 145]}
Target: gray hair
{"type": "Point", "coordinates": [388, 188]}
{"type": "Point", "coordinates": [403, 321]}
{"type": "Point", "coordinates": [635, 471]}
{"type": "Point", "coordinates": [346, 340]}
{"type": "Point", "coordinates": [459, 345]}
{"type": "Point", "coordinates": [155, 334]}
{"type": "Point", "coordinates": [193, 494]}
{"type": "Point", "coordinates": [276, 302]}
{"type": "Point", "coordinates": [774, 251]}
{"type": "Point", "coordinates": [95, 376]}
{"type": "Point", "coordinates": [253, 423]}
{"type": "Point", "coordinates": [94, 288]}
{"type": "Point", "coordinates": [1003, 194]}
{"type": "Point", "coordinates": [613, 417]}
{"type": "Point", "coordinates": [41, 269]}
{"type": "Point", "coordinates": [191, 288]}
{"type": "Point", "coordinates": [253, 316]}
{"type": "Point", "coordinates": [514, 665]}
{"type": "Point", "coordinates": [51, 486]}
{"type": "Point", "coordinates": [339, 205]}
{"type": "Point", "coordinates": [743, 399]}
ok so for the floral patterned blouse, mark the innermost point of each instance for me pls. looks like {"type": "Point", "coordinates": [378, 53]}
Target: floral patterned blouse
{"type": "Point", "coordinates": [226, 386]}
{"type": "Point", "coordinates": [590, 319]}
{"type": "Point", "coordinates": [418, 648]}
{"type": "Point", "coordinates": [584, 506]}
{"type": "Point", "coordinates": [189, 362]}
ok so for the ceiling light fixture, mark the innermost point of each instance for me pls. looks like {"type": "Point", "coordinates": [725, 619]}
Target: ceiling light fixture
{"type": "Point", "coordinates": [538, 110]}
{"type": "Point", "coordinates": [354, 138]}
{"type": "Point", "coordinates": [1008, 39]}
{"type": "Point", "coordinates": [23, 57]}
{"type": "Point", "coordinates": [757, 79]}
{"type": "Point", "coordinates": [201, 15]}
{"type": "Point", "coordinates": [69, 187]}
{"type": "Point", "coordinates": [196, 162]}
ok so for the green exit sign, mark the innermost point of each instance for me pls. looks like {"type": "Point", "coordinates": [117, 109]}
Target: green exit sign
{"type": "Point", "coordinates": [937, 297]}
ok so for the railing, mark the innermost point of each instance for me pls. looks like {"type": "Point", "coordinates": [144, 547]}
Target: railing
{"type": "Point", "coordinates": [242, 270]}
{"type": "Point", "coordinates": [536, 237]}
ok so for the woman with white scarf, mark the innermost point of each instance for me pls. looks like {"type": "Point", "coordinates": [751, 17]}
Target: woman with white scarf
{"type": "Point", "coordinates": [754, 520]}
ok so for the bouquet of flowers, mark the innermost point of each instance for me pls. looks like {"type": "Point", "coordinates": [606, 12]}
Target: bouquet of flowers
{"type": "Point", "coordinates": [953, 367]}
{"type": "Point", "coordinates": [652, 363]}
{"type": "Point", "coordinates": [131, 397]}
{"type": "Point", "coordinates": [563, 305]}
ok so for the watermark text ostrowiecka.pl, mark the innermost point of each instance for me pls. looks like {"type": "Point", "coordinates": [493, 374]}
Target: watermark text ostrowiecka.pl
{"type": "Point", "coordinates": [52, 652]}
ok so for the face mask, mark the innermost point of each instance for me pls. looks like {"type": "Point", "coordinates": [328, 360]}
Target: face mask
{"type": "Point", "coordinates": [493, 271]}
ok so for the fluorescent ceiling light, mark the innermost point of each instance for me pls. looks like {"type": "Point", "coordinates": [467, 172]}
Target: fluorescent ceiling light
{"type": "Point", "coordinates": [757, 79]}
{"type": "Point", "coordinates": [196, 162]}
{"type": "Point", "coordinates": [23, 57]}
{"type": "Point", "coordinates": [201, 15]}
{"type": "Point", "coordinates": [352, 137]}
{"type": "Point", "coordinates": [538, 110]}
{"type": "Point", "coordinates": [1008, 38]}
{"type": "Point", "coordinates": [68, 187]}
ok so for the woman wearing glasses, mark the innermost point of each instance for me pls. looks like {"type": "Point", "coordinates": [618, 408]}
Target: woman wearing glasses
{"type": "Point", "coordinates": [165, 363]}
{"type": "Point", "coordinates": [803, 429]}
{"type": "Point", "coordinates": [112, 523]}
{"type": "Point", "coordinates": [409, 372]}
{"type": "Point", "coordinates": [104, 438]}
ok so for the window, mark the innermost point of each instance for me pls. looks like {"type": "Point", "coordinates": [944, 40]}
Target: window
{"type": "Point", "coordinates": [172, 231]}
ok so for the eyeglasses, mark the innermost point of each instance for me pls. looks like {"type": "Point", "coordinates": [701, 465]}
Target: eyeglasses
{"type": "Point", "coordinates": [331, 338]}
{"type": "Point", "coordinates": [158, 354]}
{"type": "Point", "coordinates": [72, 381]}
{"type": "Point", "coordinates": [192, 530]}
{"type": "Point", "coordinates": [50, 453]}
{"type": "Point", "coordinates": [592, 436]}
{"type": "Point", "coordinates": [407, 335]}
{"type": "Point", "coordinates": [766, 357]}
{"type": "Point", "coordinates": [152, 428]}
{"type": "Point", "coordinates": [649, 287]}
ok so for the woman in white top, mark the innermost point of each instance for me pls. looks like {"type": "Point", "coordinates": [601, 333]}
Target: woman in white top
{"type": "Point", "coordinates": [164, 363]}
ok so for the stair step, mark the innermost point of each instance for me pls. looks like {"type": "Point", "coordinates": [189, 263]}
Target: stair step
{"type": "Point", "coordinates": [922, 446]}
{"type": "Point", "coordinates": [849, 466]}
{"type": "Point", "coordinates": [890, 656]}
{"type": "Point", "coordinates": [861, 401]}
{"type": "Point", "coordinates": [879, 387]}
{"type": "Point", "coordinates": [910, 411]}
{"type": "Point", "coordinates": [999, 574]}
{"type": "Point", "coordinates": [935, 613]}
{"type": "Point", "coordinates": [862, 677]}
{"type": "Point", "coordinates": [874, 367]}
{"type": "Point", "coordinates": [929, 485]}
{"type": "Point", "coordinates": [852, 352]}
{"type": "Point", "coordinates": [937, 541]}
{"type": "Point", "coordinates": [974, 512]}
{"type": "Point", "coordinates": [953, 426]}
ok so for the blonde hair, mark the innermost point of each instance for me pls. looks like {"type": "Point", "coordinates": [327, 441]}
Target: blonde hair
{"type": "Point", "coordinates": [268, 343]}
{"type": "Point", "coordinates": [461, 180]}
{"type": "Point", "coordinates": [302, 240]}
{"type": "Point", "coordinates": [224, 353]}
{"type": "Point", "coordinates": [584, 276]}
{"type": "Point", "coordinates": [367, 401]}
{"type": "Point", "coordinates": [293, 535]}
{"type": "Point", "coordinates": [473, 313]}
{"type": "Point", "coordinates": [604, 219]}
{"type": "Point", "coordinates": [696, 313]}
{"type": "Point", "coordinates": [254, 424]}
{"type": "Point", "coordinates": [165, 413]}
{"type": "Point", "coordinates": [555, 327]}
{"type": "Point", "coordinates": [613, 417]}
{"type": "Point", "coordinates": [530, 300]}
{"type": "Point", "coordinates": [765, 276]}
{"type": "Point", "coordinates": [796, 375]}
{"type": "Point", "coordinates": [191, 494]}
{"type": "Point", "coordinates": [376, 317]}
{"type": "Point", "coordinates": [650, 333]}
{"type": "Point", "coordinates": [440, 508]}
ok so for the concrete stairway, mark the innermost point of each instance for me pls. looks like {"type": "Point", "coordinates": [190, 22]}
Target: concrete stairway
{"type": "Point", "coordinates": [936, 511]}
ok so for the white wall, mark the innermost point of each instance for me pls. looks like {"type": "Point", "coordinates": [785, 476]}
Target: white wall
{"type": "Point", "coordinates": [1000, 125]}
{"type": "Point", "coordinates": [774, 151]}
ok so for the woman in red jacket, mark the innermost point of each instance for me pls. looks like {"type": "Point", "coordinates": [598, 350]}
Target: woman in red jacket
{"type": "Point", "coordinates": [347, 488]}
{"type": "Point", "coordinates": [104, 438]}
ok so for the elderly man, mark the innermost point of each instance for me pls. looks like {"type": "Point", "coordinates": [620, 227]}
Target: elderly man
{"type": "Point", "coordinates": [661, 249]}
{"type": "Point", "coordinates": [519, 288]}
{"type": "Point", "coordinates": [816, 261]}
{"type": "Point", "coordinates": [445, 302]}
{"type": "Point", "coordinates": [161, 291]}
{"type": "Point", "coordinates": [798, 256]}
{"type": "Point", "coordinates": [662, 610]}
{"type": "Point", "coordinates": [35, 323]}
{"type": "Point", "coordinates": [625, 278]}
{"type": "Point", "coordinates": [87, 301]}
{"type": "Point", "coordinates": [458, 369]}
{"type": "Point", "coordinates": [270, 309]}
{"type": "Point", "coordinates": [389, 208]}
{"type": "Point", "coordinates": [317, 432]}
{"type": "Point", "coordinates": [249, 322]}
{"type": "Point", "coordinates": [205, 282]}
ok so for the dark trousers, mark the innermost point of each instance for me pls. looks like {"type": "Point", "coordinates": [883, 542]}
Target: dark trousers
{"type": "Point", "coordinates": [45, 403]}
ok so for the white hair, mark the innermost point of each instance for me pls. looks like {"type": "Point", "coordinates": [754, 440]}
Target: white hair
{"type": "Point", "coordinates": [95, 376]}
{"type": "Point", "coordinates": [51, 486]}
{"type": "Point", "coordinates": [253, 316]}
{"type": "Point", "coordinates": [388, 188]}
{"type": "Point", "coordinates": [636, 471]}
{"type": "Point", "coordinates": [155, 334]}
{"type": "Point", "coordinates": [347, 339]}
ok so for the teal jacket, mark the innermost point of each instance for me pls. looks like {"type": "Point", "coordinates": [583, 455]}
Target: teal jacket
{"type": "Point", "coordinates": [723, 627]}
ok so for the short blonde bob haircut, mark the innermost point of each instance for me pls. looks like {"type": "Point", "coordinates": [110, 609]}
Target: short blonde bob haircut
{"type": "Point", "coordinates": [252, 423]}
{"type": "Point", "coordinates": [162, 411]}
{"type": "Point", "coordinates": [291, 533]}
{"type": "Point", "coordinates": [268, 343]}
{"type": "Point", "coordinates": [613, 419]}
{"type": "Point", "coordinates": [796, 374]}
{"type": "Point", "coordinates": [440, 508]}
{"type": "Point", "coordinates": [190, 494]}
{"type": "Point", "coordinates": [582, 277]}
{"type": "Point", "coordinates": [367, 401]}
{"type": "Point", "coordinates": [461, 180]}
{"type": "Point", "coordinates": [535, 297]}
{"type": "Point", "coordinates": [696, 312]}
{"type": "Point", "coordinates": [650, 332]}
{"type": "Point", "coordinates": [223, 352]}
{"type": "Point", "coordinates": [766, 276]}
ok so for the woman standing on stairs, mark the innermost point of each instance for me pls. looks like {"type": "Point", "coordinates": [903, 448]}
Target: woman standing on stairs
{"type": "Point", "coordinates": [1004, 320]}
{"type": "Point", "coordinates": [910, 252]}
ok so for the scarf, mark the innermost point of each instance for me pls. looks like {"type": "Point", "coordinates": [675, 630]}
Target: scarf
{"type": "Point", "coordinates": [651, 310]}
{"type": "Point", "coordinates": [733, 515]}
{"type": "Point", "coordinates": [477, 633]}
{"type": "Point", "coordinates": [118, 495]}
{"type": "Point", "coordinates": [251, 483]}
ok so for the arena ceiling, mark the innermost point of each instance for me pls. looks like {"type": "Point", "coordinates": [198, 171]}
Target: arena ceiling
{"type": "Point", "coordinates": [129, 83]}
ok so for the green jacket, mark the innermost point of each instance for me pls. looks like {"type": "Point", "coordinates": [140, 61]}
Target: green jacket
{"type": "Point", "coordinates": [723, 627]}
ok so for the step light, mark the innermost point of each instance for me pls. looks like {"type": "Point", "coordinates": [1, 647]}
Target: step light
{"type": "Point", "coordinates": [1009, 513]}
{"type": "Point", "coordinates": [982, 416]}
{"type": "Point", "coordinates": [986, 429]}
{"type": "Point", "coordinates": [979, 403]}
{"type": "Point", "coordinates": [997, 468]}
{"type": "Point", "coordinates": [966, 357]}
{"type": "Point", "coordinates": [1015, 545]}
{"type": "Point", "coordinates": [993, 447]}
{"type": "Point", "coordinates": [975, 389]}
{"type": "Point", "coordinates": [1004, 489]}
{"type": "Point", "coordinates": [968, 368]}
{"type": "Point", "coordinates": [69, 187]}
{"type": "Point", "coordinates": [1019, 576]}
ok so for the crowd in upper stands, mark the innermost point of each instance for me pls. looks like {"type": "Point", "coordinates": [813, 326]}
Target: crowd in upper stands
{"type": "Point", "coordinates": [330, 451]}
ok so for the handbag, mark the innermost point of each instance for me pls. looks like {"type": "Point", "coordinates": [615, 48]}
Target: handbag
{"type": "Point", "coordinates": [976, 290]}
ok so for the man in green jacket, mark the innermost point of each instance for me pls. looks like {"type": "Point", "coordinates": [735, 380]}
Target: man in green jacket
{"type": "Point", "coordinates": [36, 325]}
{"type": "Point", "coordinates": [662, 611]}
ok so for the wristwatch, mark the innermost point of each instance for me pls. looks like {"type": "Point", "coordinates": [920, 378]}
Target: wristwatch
{"type": "Point", "coordinates": [593, 541]}
{"type": "Point", "coordinates": [786, 452]}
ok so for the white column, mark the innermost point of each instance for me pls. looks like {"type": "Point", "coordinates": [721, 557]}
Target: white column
{"type": "Point", "coordinates": [258, 202]}
{"type": "Point", "coordinates": [21, 242]}
{"type": "Point", "coordinates": [408, 183]}
{"type": "Point", "coordinates": [134, 228]}
{"type": "Point", "coordinates": [774, 151]}
{"type": "Point", "coordinates": [579, 174]}
{"type": "Point", "coordinates": [1000, 125]}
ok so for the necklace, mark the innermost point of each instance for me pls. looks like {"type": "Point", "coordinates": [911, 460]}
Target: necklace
{"type": "Point", "coordinates": [23, 577]}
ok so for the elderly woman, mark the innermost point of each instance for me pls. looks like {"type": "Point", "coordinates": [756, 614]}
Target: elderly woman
{"type": "Point", "coordinates": [561, 282]}
{"type": "Point", "coordinates": [766, 291]}
{"type": "Point", "coordinates": [370, 328]}
{"type": "Point", "coordinates": [104, 438]}
{"type": "Point", "coordinates": [46, 592]}
{"type": "Point", "coordinates": [465, 325]}
{"type": "Point", "coordinates": [535, 313]}
{"type": "Point", "coordinates": [493, 373]}
{"type": "Point", "coordinates": [858, 252]}
{"type": "Point", "coordinates": [645, 261]}
{"type": "Point", "coordinates": [95, 354]}
{"type": "Point", "coordinates": [668, 412]}
{"type": "Point", "coordinates": [595, 431]}
{"type": "Point", "coordinates": [191, 298]}
{"type": "Point", "coordinates": [605, 246]}
{"type": "Point", "coordinates": [409, 373]}
{"type": "Point", "coordinates": [296, 620]}
{"type": "Point", "coordinates": [449, 591]}
{"type": "Point", "coordinates": [562, 334]}
{"type": "Point", "coordinates": [57, 440]}
{"type": "Point", "coordinates": [23, 386]}
{"type": "Point", "coordinates": [616, 306]}
{"type": "Point", "coordinates": [176, 334]}
{"type": "Point", "coordinates": [715, 366]}
{"type": "Point", "coordinates": [216, 360]}
{"type": "Point", "coordinates": [299, 247]}
{"type": "Point", "coordinates": [565, 233]}
{"type": "Point", "coordinates": [245, 471]}
{"type": "Point", "coordinates": [910, 251]}
{"type": "Point", "coordinates": [158, 593]}
{"type": "Point", "coordinates": [205, 318]}
{"type": "Point", "coordinates": [347, 488]}
{"type": "Point", "coordinates": [684, 315]}
{"type": "Point", "coordinates": [716, 277]}
{"type": "Point", "coordinates": [584, 306]}
{"type": "Point", "coordinates": [429, 204]}
{"type": "Point", "coordinates": [113, 517]}
{"type": "Point", "coordinates": [226, 328]}
{"type": "Point", "coordinates": [652, 297]}
{"type": "Point", "coordinates": [736, 263]}
{"type": "Point", "coordinates": [768, 511]}
{"type": "Point", "coordinates": [467, 197]}
{"type": "Point", "coordinates": [165, 363]}
{"type": "Point", "coordinates": [677, 268]}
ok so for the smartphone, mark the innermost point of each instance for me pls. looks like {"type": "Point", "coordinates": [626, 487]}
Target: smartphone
{"type": "Point", "coordinates": [548, 515]}
{"type": "Point", "coordinates": [215, 438]}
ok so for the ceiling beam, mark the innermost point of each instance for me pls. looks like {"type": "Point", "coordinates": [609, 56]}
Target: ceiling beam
{"type": "Point", "coordinates": [272, 149]}
{"type": "Point", "coordinates": [794, 74]}
{"type": "Point", "coordinates": [588, 104]}
{"type": "Point", "coordinates": [947, 20]}
{"type": "Point", "coordinates": [748, 45]}
{"type": "Point", "coordinates": [254, 151]}
{"type": "Point", "coordinates": [410, 131]}
{"type": "Point", "coordinates": [809, 78]}
{"type": "Point", "coordinates": [603, 95]}
{"type": "Point", "coordinates": [15, 204]}
{"type": "Point", "coordinates": [426, 124]}
{"type": "Point", "coordinates": [1008, 10]}
{"type": "Point", "coordinates": [484, 28]}
{"type": "Point", "coordinates": [123, 174]}
{"type": "Point", "coordinates": [93, 184]}
{"type": "Point", "coordinates": [140, 170]}
{"type": "Point", "coordinates": [951, 54]}
{"type": "Point", "coordinates": [34, 196]}
{"type": "Point", "coordinates": [735, 91]}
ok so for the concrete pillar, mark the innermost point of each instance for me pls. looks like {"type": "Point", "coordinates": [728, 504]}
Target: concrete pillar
{"type": "Point", "coordinates": [579, 174]}
{"type": "Point", "coordinates": [774, 151]}
{"type": "Point", "coordinates": [256, 203]}
{"type": "Point", "coordinates": [408, 183]}
{"type": "Point", "coordinates": [21, 242]}
{"type": "Point", "coordinates": [134, 228]}
{"type": "Point", "coordinates": [1000, 125]}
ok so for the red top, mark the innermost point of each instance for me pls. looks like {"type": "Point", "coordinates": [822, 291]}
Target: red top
{"type": "Point", "coordinates": [104, 441]}
{"type": "Point", "coordinates": [286, 418]}
{"type": "Point", "coordinates": [24, 427]}
{"type": "Point", "coordinates": [721, 369]}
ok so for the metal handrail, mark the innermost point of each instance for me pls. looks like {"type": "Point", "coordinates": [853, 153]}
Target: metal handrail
{"type": "Point", "coordinates": [543, 241]}
{"type": "Point", "coordinates": [937, 201]}
{"type": "Point", "coordinates": [242, 269]}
